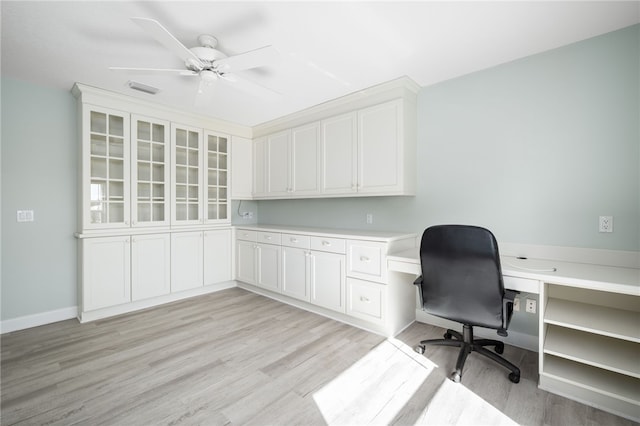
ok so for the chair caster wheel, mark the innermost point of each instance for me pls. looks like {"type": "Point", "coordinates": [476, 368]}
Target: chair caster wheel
{"type": "Point", "coordinates": [499, 349]}
{"type": "Point", "coordinates": [455, 377]}
{"type": "Point", "coordinates": [515, 378]}
{"type": "Point", "coordinates": [419, 349]}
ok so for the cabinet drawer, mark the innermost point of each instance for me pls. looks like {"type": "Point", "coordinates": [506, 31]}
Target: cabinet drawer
{"type": "Point", "coordinates": [246, 235]}
{"type": "Point", "coordinates": [525, 285]}
{"type": "Point", "coordinates": [365, 300]}
{"type": "Point", "coordinates": [269, 237]}
{"type": "Point", "coordinates": [365, 260]}
{"type": "Point", "coordinates": [294, 240]}
{"type": "Point", "coordinates": [332, 245]}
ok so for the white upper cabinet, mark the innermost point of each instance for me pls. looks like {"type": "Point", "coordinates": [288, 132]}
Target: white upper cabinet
{"type": "Point", "coordinates": [186, 179]}
{"type": "Point", "coordinates": [150, 172]}
{"type": "Point", "coordinates": [340, 154]}
{"type": "Point", "coordinates": [105, 168]}
{"type": "Point", "coordinates": [277, 157]}
{"type": "Point", "coordinates": [216, 194]}
{"type": "Point", "coordinates": [260, 167]}
{"type": "Point", "coordinates": [304, 160]}
{"type": "Point", "coordinates": [241, 168]}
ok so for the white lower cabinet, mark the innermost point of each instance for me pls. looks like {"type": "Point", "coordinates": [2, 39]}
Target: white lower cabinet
{"type": "Point", "coordinates": [186, 261]}
{"type": "Point", "coordinates": [268, 260]}
{"type": "Point", "coordinates": [150, 266]}
{"type": "Point", "coordinates": [327, 280]}
{"type": "Point", "coordinates": [246, 261]}
{"type": "Point", "coordinates": [366, 300]}
{"type": "Point", "coordinates": [295, 272]}
{"type": "Point", "coordinates": [106, 272]}
{"type": "Point", "coordinates": [217, 256]}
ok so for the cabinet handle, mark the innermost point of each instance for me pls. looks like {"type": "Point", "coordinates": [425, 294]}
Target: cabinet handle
{"type": "Point", "coordinates": [268, 237]}
{"type": "Point", "coordinates": [326, 243]}
{"type": "Point", "coordinates": [364, 299]}
{"type": "Point", "coordinates": [364, 259]}
{"type": "Point", "coordinates": [293, 240]}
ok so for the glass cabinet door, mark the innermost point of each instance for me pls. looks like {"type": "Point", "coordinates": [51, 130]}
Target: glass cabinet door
{"type": "Point", "coordinates": [217, 175]}
{"type": "Point", "coordinates": [186, 177]}
{"type": "Point", "coordinates": [150, 187]}
{"type": "Point", "coordinates": [107, 184]}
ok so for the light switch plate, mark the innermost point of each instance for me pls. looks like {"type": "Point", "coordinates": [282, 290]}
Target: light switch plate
{"type": "Point", "coordinates": [24, 216]}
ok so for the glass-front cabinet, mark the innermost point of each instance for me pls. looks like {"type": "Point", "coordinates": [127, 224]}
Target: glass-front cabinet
{"type": "Point", "coordinates": [186, 180]}
{"type": "Point", "coordinates": [150, 172]}
{"type": "Point", "coordinates": [106, 168]}
{"type": "Point", "coordinates": [217, 204]}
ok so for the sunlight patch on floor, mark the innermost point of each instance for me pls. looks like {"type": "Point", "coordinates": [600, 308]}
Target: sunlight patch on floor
{"type": "Point", "coordinates": [376, 388]}
{"type": "Point", "coordinates": [455, 404]}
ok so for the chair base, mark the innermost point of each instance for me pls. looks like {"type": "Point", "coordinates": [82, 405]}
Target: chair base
{"type": "Point", "coordinates": [467, 344]}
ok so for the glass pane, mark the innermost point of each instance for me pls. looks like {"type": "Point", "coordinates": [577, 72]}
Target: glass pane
{"type": "Point", "coordinates": [144, 130]}
{"type": "Point", "coordinates": [212, 193]}
{"type": "Point", "coordinates": [193, 211]}
{"type": "Point", "coordinates": [116, 170]}
{"type": "Point", "coordinates": [213, 143]}
{"type": "Point", "coordinates": [144, 212]}
{"type": "Point", "coordinates": [158, 133]}
{"type": "Point", "coordinates": [98, 122]}
{"type": "Point", "coordinates": [158, 152]}
{"type": "Point", "coordinates": [97, 212]}
{"type": "Point", "coordinates": [99, 168]}
{"type": "Point", "coordinates": [193, 176]}
{"type": "Point", "coordinates": [158, 192]}
{"type": "Point", "coordinates": [158, 173]}
{"type": "Point", "coordinates": [222, 176]}
{"type": "Point", "coordinates": [98, 145]}
{"type": "Point", "coordinates": [181, 156]}
{"type": "Point", "coordinates": [193, 193]}
{"type": "Point", "coordinates": [116, 126]}
{"type": "Point", "coordinates": [222, 211]}
{"type": "Point", "coordinates": [181, 175]}
{"type": "Point", "coordinates": [212, 160]}
{"type": "Point", "coordinates": [144, 151]}
{"type": "Point", "coordinates": [144, 191]}
{"type": "Point", "coordinates": [181, 211]}
{"type": "Point", "coordinates": [222, 194]}
{"type": "Point", "coordinates": [212, 177]}
{"type": "Point", "coordinates": [144, 171]}
{"type": "Point", "coordinates": [116, 147]}
{"type": "Point", "coordinates": [193, 158]}
{"type": "Point", "coordinates": [158, 212]}
{"type": "Point", "coordinates": [116, 212]}
{"type": "Point", "coordinates": [222, 161]}
{"type": "Point", "coordinates": [193, 140]}
{"type": "Point", "coordinates": [181, 192]}
{"type": "Point", "coordinates": [181, 137]}
{"type": "Point", "coordinates": [222, 145]}
{"type": "Point", "coordinates": [98, 191]}
{"type": "Point", "coordinates": [116, 191]}
{"type": "Point", "coordinates": [212, 212]}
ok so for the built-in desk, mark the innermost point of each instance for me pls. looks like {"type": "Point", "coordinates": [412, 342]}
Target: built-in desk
{"type": "Point", "coordinates": [589, 336]}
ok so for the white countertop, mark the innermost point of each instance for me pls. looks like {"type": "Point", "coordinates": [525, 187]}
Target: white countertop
{"type": "Point", "coordinates": [384, 236]}
{"type": "Point", "coordinates": [597, 277]}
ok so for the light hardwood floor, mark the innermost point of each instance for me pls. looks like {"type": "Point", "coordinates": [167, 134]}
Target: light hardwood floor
{"type": "Point", "coordinates": [236, 358]}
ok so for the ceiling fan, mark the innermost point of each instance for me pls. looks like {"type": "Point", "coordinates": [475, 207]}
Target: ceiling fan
{"type": "Point", "coordinates": [205, 61]}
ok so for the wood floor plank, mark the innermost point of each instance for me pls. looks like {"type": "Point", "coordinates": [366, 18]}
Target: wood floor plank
{"type": "Point", "coordinates": [235, 357]}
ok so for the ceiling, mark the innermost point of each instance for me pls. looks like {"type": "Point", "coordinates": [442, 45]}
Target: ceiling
{"type": "Point", "coordinates": [326, 49]}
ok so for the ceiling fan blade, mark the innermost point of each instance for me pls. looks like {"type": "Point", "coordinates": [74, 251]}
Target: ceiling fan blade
{"type": "Point", "coordinates": [153, 71]}
{"type": "Point", "coordinates": [250, 87]}
{"type": "Point", "coordinates": [254, 58]}
{"type": "Point", "coordinates": [162, 35]}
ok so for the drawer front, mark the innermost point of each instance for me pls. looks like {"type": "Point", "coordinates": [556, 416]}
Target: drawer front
{"type": "Point", "coordinates": [295, 240]}
{"type": "Point", "coordinates": [331, 245]}
{"type": "Point", "coordinates": [246, 235]}
{"type": "Point", "coordinates": [366, 300]}
{"type": "Point", "coordinates": [365, 260]}
{"type": "Point", "coordinates": [525, 285]}
{"type": "Point", "coordinates": [269, 237]}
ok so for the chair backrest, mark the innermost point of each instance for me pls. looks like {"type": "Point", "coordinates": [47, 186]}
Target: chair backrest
{"type": "Point", "coordinates": [461, 273]}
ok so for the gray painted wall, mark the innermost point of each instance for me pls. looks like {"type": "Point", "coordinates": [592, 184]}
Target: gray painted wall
{"type": "Point", "coordinates": [39, 173]}
{"type": "Point", "coordinates": [535, 150]}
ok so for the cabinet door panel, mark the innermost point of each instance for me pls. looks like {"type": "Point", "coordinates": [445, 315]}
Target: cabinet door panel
{"type": "Point", "coordinates": [186, 180]}
{"type": "Point", "coordinates": [339, 154]}
{"type": "Point", "coordinates": [217, 256]}
{"type": "Point", "coordinates": [295, 273]}
{"type": "Point", "coordinates": [150, 266]}
{"type": "Point", "coordinates": [186, 261]}
{"type": "Point", "coordinates": [106, 273]}
{"type": "Point", "coordinates": [216, 178]}
{"type": "Point", "coordinates": [269, 266]}
{"type": "Point", "coordinates": [328, 280]}
{"type": "Point", "coordinates": [259, 167]}
{"type": "Point", "coordinates": [241, 168]}
{"type": "Point", "coordinates": [246, 261]}
{"type": "Point", "coordinates": [278, 164]}
{"type": "Point", "coordinates": [305, 159]}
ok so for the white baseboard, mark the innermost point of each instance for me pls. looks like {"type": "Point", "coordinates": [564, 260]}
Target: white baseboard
{"type": "Point", "coordinates": [521, 340]}
{"type": "Point", "coordinates": [35, 320]}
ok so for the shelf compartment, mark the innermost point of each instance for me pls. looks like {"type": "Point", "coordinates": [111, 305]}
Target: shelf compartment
{"type": "Point", "coordinates": [601, 381]}
{"type": "Point", "coordinates": [599, 351]}
{"type": "Point", "coordinates": [617, 323]}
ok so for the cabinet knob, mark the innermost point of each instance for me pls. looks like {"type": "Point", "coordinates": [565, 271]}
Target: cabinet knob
{"type": "Point", "coordinates": [326, 243]}
{"type": "Point", "coordinates": [364, 259]}
{"type": "Point", "coordinates": [364, 299]}
{"type": "Point", "coordinates": [293, 240]}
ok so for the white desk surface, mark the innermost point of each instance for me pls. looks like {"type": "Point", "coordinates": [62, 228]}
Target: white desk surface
{"type": "Point", "coordinates": [597, 277]}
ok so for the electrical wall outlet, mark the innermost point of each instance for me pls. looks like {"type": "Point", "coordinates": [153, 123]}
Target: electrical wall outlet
{"type": "Point", "coordinates": [246, 215]}
{"type": "Point", "coordinates": [516, 304]}
{"type": "Point", "coordinates": [531, 306]}
{"type": "Point", "coordinates": [24, 216]}
{"type": "Point", "coordinates": [369, 218]}
{"type": "Point", "coordinates": [605, 224]}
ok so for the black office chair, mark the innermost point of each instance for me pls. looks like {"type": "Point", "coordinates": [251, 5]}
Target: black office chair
{"type": "Point", "coordinates": [462, 281]}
